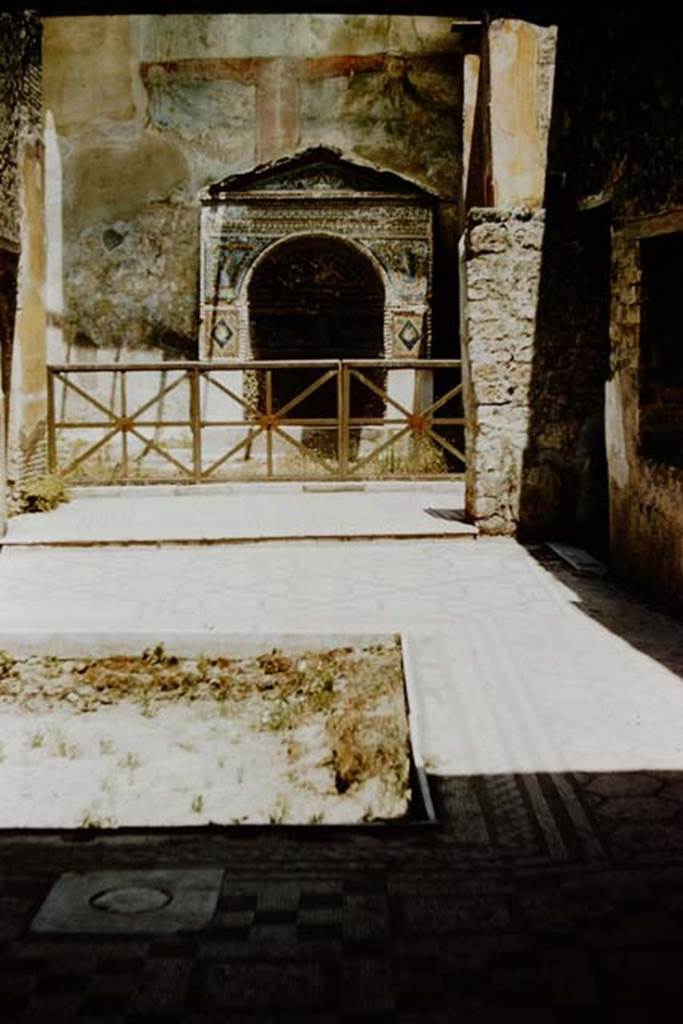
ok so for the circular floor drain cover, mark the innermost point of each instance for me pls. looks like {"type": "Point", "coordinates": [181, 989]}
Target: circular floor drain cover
{"type": "Point", "coordinates": [131, 899]}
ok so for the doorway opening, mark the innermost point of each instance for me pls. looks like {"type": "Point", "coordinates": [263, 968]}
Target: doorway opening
{"type": "Point", "coordinates": [8, 303]}
{"type": "Point", "coordinates": [316, 297]}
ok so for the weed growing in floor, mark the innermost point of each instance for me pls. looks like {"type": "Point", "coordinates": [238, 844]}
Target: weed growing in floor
{"type": "Point", "coordinates": [7, 663]}
{"type": "Point", "coordinates": [223, 707]}
{"type": "Point", "coordinates": [147, 707]}
{"type": "Point", "coordinates": [203, 665]}
{"type": "Point", "coordinates": [158, 655]}
{"type": "Point", "coordinates": [279, 810]}
{"type": "Point", "coordinates": [198, 804]}
{"type": "Point", "coordinates": [36, 739]}
{"type": "Point", "coordinates": [90, 818]}
{"type": "Point", "coordinates": [106, 746]}
{"type": "Point", "coordinates": [64, 749]}
{"type": "Point", "coordinates": [42, 493]}
{"type": "Point", "coordinates": [130, 761]}
{"type": "Point", "coordinates": [280, 716]}
{"type": "Point", "coordinates": [52, 666]}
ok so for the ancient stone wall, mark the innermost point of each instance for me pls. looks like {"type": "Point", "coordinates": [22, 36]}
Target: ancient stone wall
{"type": "Point", "coordinates": [148, 110]}
{"type": "Point", "coordinates": [618, 123]}
{"type": "Point", "coordinates": [563, 455]}
{"type": "Point", "coordinates": [501, 264]}
{"type": "Point", "coordinates": [618, 146]}
{"type": "Point", "coordinates": [22, 318]}
{"type": "Point", "coordinates": [646, 493]}
{"type": "Point", "coordinates": [20, 108]}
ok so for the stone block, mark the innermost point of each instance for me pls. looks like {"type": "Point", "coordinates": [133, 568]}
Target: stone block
{"type": "Point", "coordinates": [489, 269]}
{"type": "Point", "coordinates": [488, 238]}
{"type": "Point", "coordinates": [482, 334]}
{"type": "Point", "coordinates": [528, 235]}
{"type": "Point", "coordinates": [485, 310]}
{"type": "Point", "coordinates": [129, 902]}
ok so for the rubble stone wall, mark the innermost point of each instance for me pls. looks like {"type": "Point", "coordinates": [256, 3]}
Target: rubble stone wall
{"type": "Point", "coordinates": [20, 108]}
{"type": "Point", "coordinates": [21, 229]}
{"type": "Point", "coordinates": [500, 266]}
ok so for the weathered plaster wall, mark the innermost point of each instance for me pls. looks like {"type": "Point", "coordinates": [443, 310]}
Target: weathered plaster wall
{"type": "Point", "coordinates": [521, 68]}
{"type": "Point", "coordinates": [26, 442]}
{"type": "Point", "coordinates": [619, 143]}
{"type": "Point", "coordinates": [646, 494]}
{"type": "Point", "coordinates": [148, 110]}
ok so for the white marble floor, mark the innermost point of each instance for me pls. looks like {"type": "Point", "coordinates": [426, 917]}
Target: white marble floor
{"type": "Point", "coordinates": [240, 514]}
{"type": "Point", "coordinates": [519, 667]}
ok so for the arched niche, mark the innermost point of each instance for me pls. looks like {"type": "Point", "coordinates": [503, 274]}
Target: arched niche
{"type": "Point", "coordinates": [316, 297]}
{"type": "Point", "coordinates": [316, 194]}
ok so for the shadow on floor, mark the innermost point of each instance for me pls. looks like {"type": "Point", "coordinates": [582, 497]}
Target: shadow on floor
{"type": "Point", "coordinates": [654, 631]}
{"type": "Point", "coordinates": [541, 898]}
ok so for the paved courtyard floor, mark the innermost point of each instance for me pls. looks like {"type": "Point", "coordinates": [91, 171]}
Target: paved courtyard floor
{"type": "Point", "coordinates": [229, 513]}
{"type": "Point", "coordinates": [551, 712]}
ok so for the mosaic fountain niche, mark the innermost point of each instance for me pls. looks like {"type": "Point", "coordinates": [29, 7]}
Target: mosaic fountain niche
{"type": "Point", "coordinates": [313, 257]}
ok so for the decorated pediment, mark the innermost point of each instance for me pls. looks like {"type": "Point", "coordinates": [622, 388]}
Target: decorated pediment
{"type": "Point", "coordinates": [319, 171]}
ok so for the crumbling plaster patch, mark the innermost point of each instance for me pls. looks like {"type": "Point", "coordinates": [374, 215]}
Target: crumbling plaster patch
{"type": "Point", "coordinates": [114, 178]}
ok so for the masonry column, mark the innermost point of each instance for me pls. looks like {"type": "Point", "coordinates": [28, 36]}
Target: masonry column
{"type": "Point", "coordinates": [501, 264]}
{"type": "Point", "coordinates": [23, 187]}
{"type": "Point", "coordinates": [26, 443]}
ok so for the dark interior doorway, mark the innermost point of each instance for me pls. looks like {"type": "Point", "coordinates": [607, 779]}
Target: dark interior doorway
{"type": "Point", "coordinates": [590, 456]}
{"type": "Point", "coordinates": [316, 297]}
{"type": "Point", "coordinates": [8, 303]}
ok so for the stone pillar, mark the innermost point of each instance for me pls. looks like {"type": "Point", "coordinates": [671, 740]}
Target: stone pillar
{"type": "Point", "coordinates": [26, 443]}
{"type": "Point", "coordinates": [500, 273]}
{"type": "Point", "coordinates": [22, 221]}
{"type": "Point", "coordinates": [500, 264]}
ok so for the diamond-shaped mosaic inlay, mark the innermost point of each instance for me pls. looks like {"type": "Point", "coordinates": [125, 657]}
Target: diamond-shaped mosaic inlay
{"type": "Point", "coordinates": [222, 333]}
{"type": "Point", "coordinates": [409, 335]}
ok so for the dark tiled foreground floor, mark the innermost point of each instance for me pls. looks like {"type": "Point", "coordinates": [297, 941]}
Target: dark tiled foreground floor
{"type": "Point", "coordinates": [540, 899]}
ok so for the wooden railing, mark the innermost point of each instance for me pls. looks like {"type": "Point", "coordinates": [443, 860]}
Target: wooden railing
{"type": "Point", "coordinates": [294, 419]}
